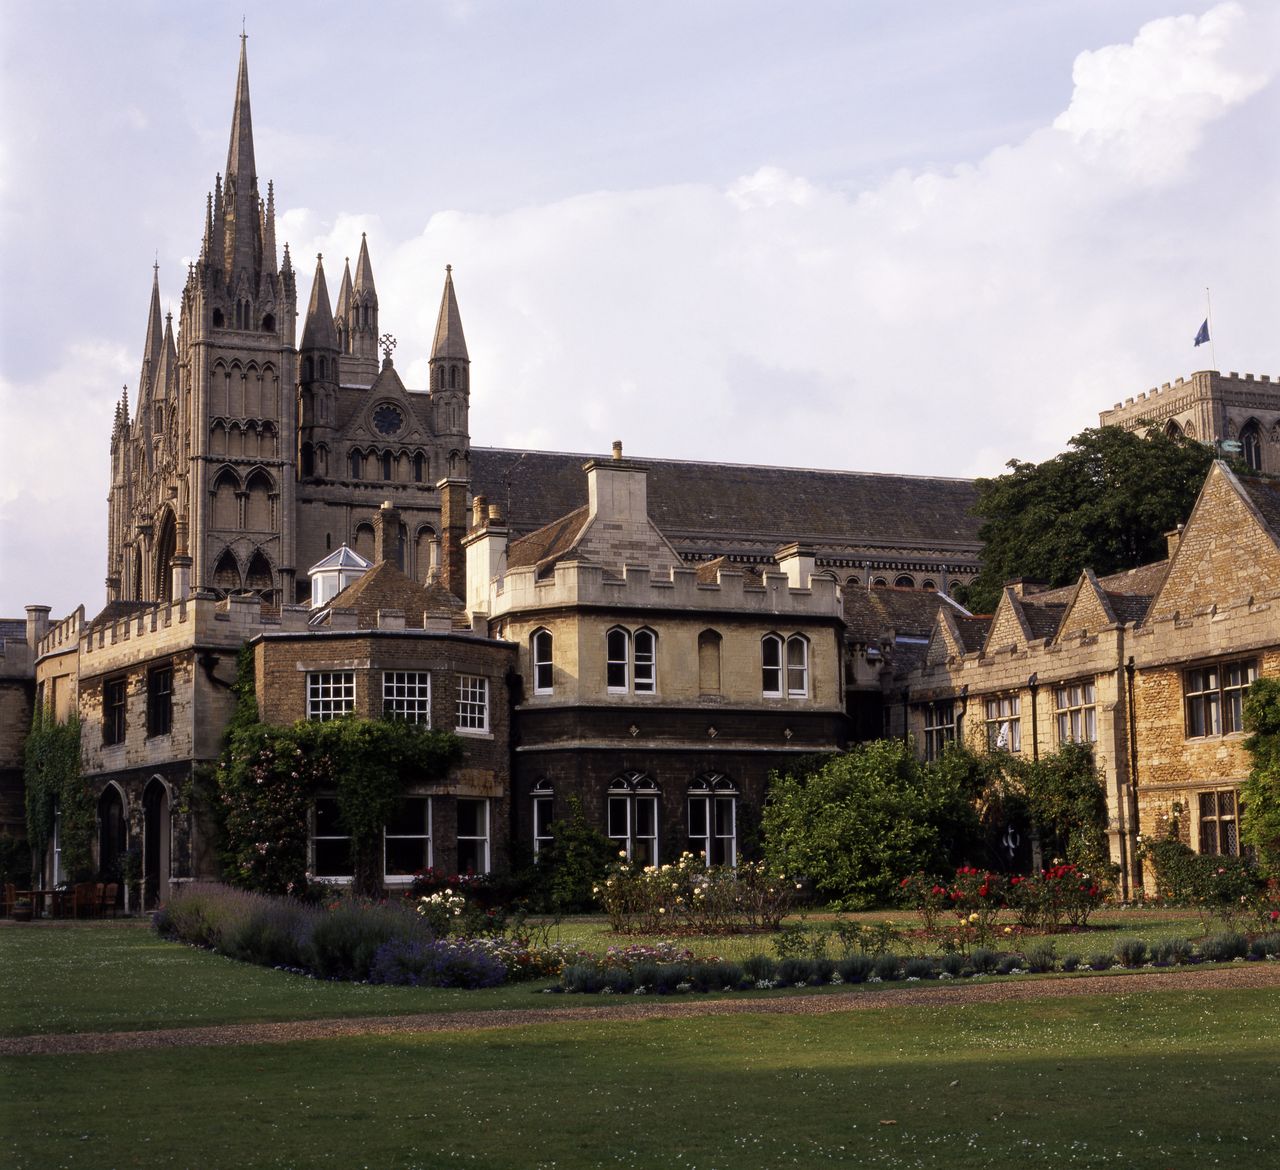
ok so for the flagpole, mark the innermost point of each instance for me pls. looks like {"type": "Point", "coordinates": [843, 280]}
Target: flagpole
{"type": "Point", "coordinates": [1213, 357]}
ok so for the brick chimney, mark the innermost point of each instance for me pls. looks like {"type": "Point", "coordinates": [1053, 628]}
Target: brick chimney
{"type": "Point", "coordinates": [453, 527]}
{"type": "Point", "coordinates": [386, 535]}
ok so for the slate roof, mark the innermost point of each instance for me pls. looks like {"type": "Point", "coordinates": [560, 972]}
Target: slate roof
{"type": "Point", "coordinates": [550, 543]}
{"type": "Point", "coordinates": [870, 613]}
{"type": "Point", "coordinates": [973, 632]}
{"type": "Point", "coordinates": [1264, 493]}
{"type": "Point", "coordinates": [386, 587]}
{"type": "Point", "coordinates": [732, 507]}
{"type": "Point", "coordinates": [707, 571]}
{"type": "Point", "coordinates": [13, 629]}
{"type": "Point", "coordinates": [1043, 619]}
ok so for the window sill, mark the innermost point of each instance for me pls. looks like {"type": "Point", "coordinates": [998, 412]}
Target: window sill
{"type": "Point", "coordinates": [473, 733]}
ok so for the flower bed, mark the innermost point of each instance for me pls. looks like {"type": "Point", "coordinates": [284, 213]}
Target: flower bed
{"type": "Point", "coordinates": [354, 939]}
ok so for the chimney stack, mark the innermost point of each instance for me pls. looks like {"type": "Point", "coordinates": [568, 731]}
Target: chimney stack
{"type": "Point", "coordinates": [453, 527]}
{"type": "Point", "coordinates": [386, 535]}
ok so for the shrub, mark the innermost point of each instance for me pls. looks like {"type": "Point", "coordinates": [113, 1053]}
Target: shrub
{"type": "Point", "coordinates": [983, 960]}
{"type": "Point", "coordinates": [577, 859]}
{"type": "Point", "coordinates": [793, 971]}
{"type": "Point", "coordinates": [927, 896]}
{"type": "Point", "coordinates": [1040, 959]}
{"type": "Point", "coordinates": [1132, 952]}
{"type": "Point", "coordinates": [856, 968]}
{"type": "Point", "coordinates": [584, 978]}
{"type": "Point", "coordinates": [1222, 948]}
{"type": "Point", "coordinates": [919, 968]}
{"type": "Point", "coordinates": [953, 964]}
{"type": "Point", "coordinates": [435, 963]}
{"type": "Point", "coordinates": [1101, 961]}
{"type": "Point", "coordinates": [275, 934]}
{"type": "Point", "coordinates": [862, 820]}
{"type": "Point", "coordinates": [1270, 944]}
{"type": "Point", "coordinates": [344, 941]}
{"type": "Point", "coordinates": [716, 975]}
{"type": "Point", "coordinates": [760, 968]}
{"type": "Point", "coordinates": [1007, 965]}
{"type": "Point", "coordinates": [1180, 951]}
{"type": "Point", "coordinates": [669, 976]}
{"type": "Point", "coordinates": [886, 967]}
{"type": "Point", "coordinates": [1070, 962]}
{"type": "Point", "coordinates": [1063, 892]}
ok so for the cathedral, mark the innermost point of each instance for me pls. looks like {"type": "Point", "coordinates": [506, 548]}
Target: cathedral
{"type": "Point", "coordinates": [647, 640]}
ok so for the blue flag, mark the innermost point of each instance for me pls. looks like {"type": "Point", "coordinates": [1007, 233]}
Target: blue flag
{"type": "Point", "coordinates": [1203, 334]}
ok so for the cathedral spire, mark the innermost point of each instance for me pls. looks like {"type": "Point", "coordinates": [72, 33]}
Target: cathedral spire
{"type": "Point", "coordinates": [318, 331]}
{"type": "Point", "coordinates": [242, 241]}
{"type": "Point", "coordinates": [364, 271]}
{"type": "Point", "coordinates": [449, 343]}
{"type": "Point", "coordinates": [155, 330]}
{"type": "Point", "coordinates": [344, 291]}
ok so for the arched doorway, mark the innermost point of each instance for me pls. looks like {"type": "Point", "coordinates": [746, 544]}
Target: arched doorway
{"type": "Point", "coordinates": [166, 548]}
{"type": "Point", "coordinates": [113, 835]}
{"type": "Point", "coordinates": [156, 830]}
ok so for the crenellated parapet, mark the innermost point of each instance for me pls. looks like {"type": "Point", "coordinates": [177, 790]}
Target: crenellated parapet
{"type": "Point", "coordinates": [580, 585]}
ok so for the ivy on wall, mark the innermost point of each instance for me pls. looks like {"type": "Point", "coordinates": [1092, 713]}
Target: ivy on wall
{"type": "Point", "coordinates": [269, 775]}
{"type": "Point", "coordinates": [55, 788]}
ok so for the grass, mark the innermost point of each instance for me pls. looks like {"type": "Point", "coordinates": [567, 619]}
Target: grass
{"type": "Point", "coordinates": [1147, 1080]}
{"type": "Point", "coordinates": [109, 977]}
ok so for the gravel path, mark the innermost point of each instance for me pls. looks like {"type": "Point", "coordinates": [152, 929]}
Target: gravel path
{"type": "Point", "coordinates": [1236, 977]}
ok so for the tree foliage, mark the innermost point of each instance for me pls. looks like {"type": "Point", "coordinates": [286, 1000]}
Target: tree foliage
{"type": "Point", "coordinates": [855, 826]}
{"type": "Point", "coordinates": [1104, 504]}
{"type": "Point", "coordinates": [268, 777]}
{"type": "Point", "coordinates": [1260, 792]}
{"type": "Point", "coordinates": [55, 787]}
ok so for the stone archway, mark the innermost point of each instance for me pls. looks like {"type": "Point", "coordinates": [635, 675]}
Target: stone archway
{"type": "Point", "coordinates": [113, 835]}
{"type": "Point", "coordinates": [157, 832]}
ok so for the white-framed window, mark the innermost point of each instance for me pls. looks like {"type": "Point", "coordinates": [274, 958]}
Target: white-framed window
{"type": "Point", "coordinates": [473, 835]}
{"type": "Point", "coordinates": [543, 671]}
{"type": "Point", "coordinates": [939, 727]}
{"type": "Point", "coordinates": [406, 695]}
{"type": "Point", "coordinates": [633, 817]}
{"type": "Point", "coordinates": [473, 704]}
{"type": "Point", "coordinates": [1219, 822]}
{"type": "Point", "coordinates": [1004, 723]}
{"type": "Point", "coordinates": [617, 644]}
{"type": "Point", "coordinates": [1075, 708]}
{"type": "Point", "coordinates": [1214, 697]}
{"type": "Point", "coordinates": [645, 663]}
{"type": "Point", "coordinates": [544, 804]}
{"type": "Point", "coordinates": [784, 666]}
{"type": "Point", "coordinates": [713, 819]}
{"type": "Point", "coordinates": [330, 842]}
{"type": "Point", "coordinates": [406, 840]}
{"type": "Point", "coordinates": [330, 694]}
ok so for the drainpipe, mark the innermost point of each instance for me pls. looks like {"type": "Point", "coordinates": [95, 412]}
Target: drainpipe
{"type": "Point", "coordinates": [964, 710]}
{"type": "Point", "coordinates": [906, 725]}
{"type": "Point", "coordinates": [1129, 796]}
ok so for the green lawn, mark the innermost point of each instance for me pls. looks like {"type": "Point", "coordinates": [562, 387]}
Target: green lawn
{"type": "Point", "coordinates": [1153, 1080]}
{"type": "Point", "coordinates": [106, 977]}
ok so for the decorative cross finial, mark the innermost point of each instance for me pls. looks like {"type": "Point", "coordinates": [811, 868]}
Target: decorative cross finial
{"type": "Point", "coordinates": [388, 343]}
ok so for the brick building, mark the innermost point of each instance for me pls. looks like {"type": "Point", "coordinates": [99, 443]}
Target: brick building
{"type": "Point", "coordinates": [1149, 666]}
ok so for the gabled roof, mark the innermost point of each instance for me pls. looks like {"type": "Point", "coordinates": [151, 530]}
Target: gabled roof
{"type": "Point", "coordinates": [708, 572]}
{"type": "Point", "coordinates": [341, 558]}
{"type": "Point", "coordinates": [871, 614]}
{"type": "Point", "coordinates": [551, 543]}
{"type": "Point", "coordinates": [1263, 492]}
{"type": "Point", "coordinates": [972, 631]}
{"type": "Point", "coordinates": [386, 587]}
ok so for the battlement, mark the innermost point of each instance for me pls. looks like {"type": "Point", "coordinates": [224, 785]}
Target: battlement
{"type": "Point", "coordinates": [62, 636]}
{"type": "Point", "coordinates": [1245, 624]}
{"type": "Point", "coordinates": [579, 584]}
{"type": "Point", "coordinates": [1203, 383]}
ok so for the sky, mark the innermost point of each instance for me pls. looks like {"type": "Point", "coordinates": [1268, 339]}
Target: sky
{"type": "Point", "coordinates": [858, 234]}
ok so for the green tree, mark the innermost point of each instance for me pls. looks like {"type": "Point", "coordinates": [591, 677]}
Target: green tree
{"type": "Point", "coordinates": [55, 788]}
{"type": "Point", "coordinates": [1260, 793]}
{"type": "Point", "coordinates": [1104, 504]}
{"type": "Point", "coordinates": [864, 819]}
{"type": "Point", "coordinates": [570, 865]}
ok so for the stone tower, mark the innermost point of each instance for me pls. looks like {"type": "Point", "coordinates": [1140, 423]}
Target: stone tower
{"type": "Point", "coordinates": [203, 481]}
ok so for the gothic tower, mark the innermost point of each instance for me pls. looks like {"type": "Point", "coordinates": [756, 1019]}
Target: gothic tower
{"type": "Point", "coordinates": [450, 381]}
{"type": "Point", "coordinates": [239, 365]}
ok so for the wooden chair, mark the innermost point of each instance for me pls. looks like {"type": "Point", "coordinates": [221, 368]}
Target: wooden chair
{"type": "Point", "coordinates": [10, 897]}
{"type": "Point", "coordinates": [107, 898]}
{"type": "Point", "coordinates": [85, 900]}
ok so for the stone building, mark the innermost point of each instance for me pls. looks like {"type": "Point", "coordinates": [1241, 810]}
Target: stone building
{"type": "Point", "coordinates": [659, 694]}
{"type": "Point", "coordinates": [1149, 666]}
{"type": "Point", "coordinates": [1211, 407]}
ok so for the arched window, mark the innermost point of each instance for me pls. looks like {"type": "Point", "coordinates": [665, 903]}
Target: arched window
{"type": "Point", "coordinates": [166, 549]}
{"type": "Point", "coordinates": [544, 803]}
{"type": "Point", "coordinates": [226, 573]}
{"type": "Point", "coordinates": [905, 582]}
{"type": "Point", "coordinates": [543, 673]}
{"type": "Point", "coordinates": [851, 582]}
{"type": "Point", "coordinates": [929, 586]}
{"type": "Point", "coordinates": [308, 461]}
{"type": "Point", "coordinates": [709, 643]}
{"type": "Point", "coordinates": [879, 583]}
{"type": "Point", "coordinates": [1172, 429]}
{"type": "Point", "coordinates": [419, 467]}
{"type": "Point", "coordinates": [633, 817]}
{"type": "Point", "coordinates": [260, 578]}
{"type": "Point", "coordinates": [713, 819]}
{"type": "Point", "coordinates": [645, 663]}
{"type": "Point", "coordinates": [218, 319]}
{"type": "Point", "coordinates": [356, 464]}
{"type": "Point", "coordinates": [617, 660]}
{"type": "Point", "coordinates": [363, 543]}
{"type": "Point", "coordinates": [226, 506]}
{"type": "Point", "coordinates": [257, 505]}
{"type": "Point", "coordinates": [1251, 445]}
{"type": "Point", "coordinates": [268, 324]}
{"type": "Point", "coordinates": [784, 662]}
{"type": "Point", "coordinates": [453, 377]}
{"type": "Point", "coordinates": [308, 368]}
{"type": "Point", "coordinates": [386, 465]}
{"type": "Point", "coordinates": [324, 367]}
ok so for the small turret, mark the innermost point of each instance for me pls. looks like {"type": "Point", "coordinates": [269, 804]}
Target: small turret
{"type": "Point", "coordinates": [449, 365]}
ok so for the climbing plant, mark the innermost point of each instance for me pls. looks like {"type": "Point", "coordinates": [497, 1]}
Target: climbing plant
{"type": "Point", "coordinates": [269, 775]}
{"type": "Point", "coordinates": [55, 788]}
